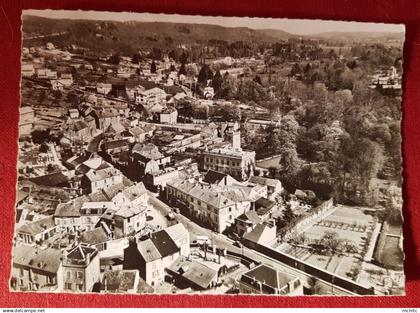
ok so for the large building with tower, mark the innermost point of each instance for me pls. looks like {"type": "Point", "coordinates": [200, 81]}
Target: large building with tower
{"type": "Point", "coordinates": [231, 159]}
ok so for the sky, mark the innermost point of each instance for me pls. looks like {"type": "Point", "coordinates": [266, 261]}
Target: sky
{"type": "Point", "coordinates": [294, 26]}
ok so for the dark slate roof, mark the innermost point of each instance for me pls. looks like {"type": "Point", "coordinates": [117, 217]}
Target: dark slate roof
{"type": "Point", "coordinates": [57, 179]}
{"type": "Point", "coordinates": [213, 177]}
{"type": "Point", "coordinates": [18, 215]}
{"type": "Point", "coordinates": [80, 252]}
{"type": "Point", "coordinates": [47, 260]}
{"type": "Point", "coordinates": [78, 160]}
{"type": "Point", "coordinates": [70, 209]}
{"type": "Point", "coordinates": [200, 274]}
{"type": "Point", "coordinates": [94, 236]}
{"type": "Point", "coordinates": [269, 276]}
{"type": "Point", "coordinates": [172, 90]}
{"type": "Point", "coordinates": [164, 243]}
{"type": "Point", "coordinates": [116, 144]}
{"type": "Point", "coordinates": [79, 125]}
{"type": "Point", "coordinates": [37, 227]}
{"type": "Point", "coordinates": [148, 250]}
{"type": "Point", "coordinates": [263, 205]}
{"type": "Point", "coordinates": [251, 216]}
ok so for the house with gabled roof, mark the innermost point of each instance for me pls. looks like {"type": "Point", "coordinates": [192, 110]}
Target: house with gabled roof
{"type": "Point", "coordinates": [37, 232]}
{"type": "Point", "coordinates": [96, 179]}
{"type": "Point", "coordinates": [265, 279]}
{"type": "Point", "coordinates": [136, 195]}
{"type": "Point", "coordinates": [246, 222]}
{"type": "Point", "coordinates": [36, 269]}
{"type": "Point", "coordinates": [81, 270]}
{"type": "Point", "coordinates": [274, 186]}
{"type": "Point", "coordinates": [152, 256]}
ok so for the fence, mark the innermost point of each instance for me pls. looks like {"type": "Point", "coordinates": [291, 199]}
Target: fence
{"type": "Point", "coordinates": [311, 269]}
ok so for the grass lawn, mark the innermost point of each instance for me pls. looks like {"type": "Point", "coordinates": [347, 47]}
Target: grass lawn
{"type": "Point", "coordinates": [394, 230]}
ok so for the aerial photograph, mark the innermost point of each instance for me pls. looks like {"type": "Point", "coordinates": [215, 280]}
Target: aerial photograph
{"type": "Point", "coordinates": [177, 154]}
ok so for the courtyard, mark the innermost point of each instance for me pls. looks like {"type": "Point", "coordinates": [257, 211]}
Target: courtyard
{"type": "Point", "coordinates": [337, 243]}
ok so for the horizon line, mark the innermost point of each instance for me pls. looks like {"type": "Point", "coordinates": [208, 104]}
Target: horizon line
{"type": "Point", "coordinates": [291, 26]}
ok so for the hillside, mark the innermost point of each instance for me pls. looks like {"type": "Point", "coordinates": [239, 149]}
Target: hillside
{"type": "Point", "coordinates": [359, 36]}
{"type": "Point", "coordinates": [105, 37]}
{"type": "Point", "coordinates": [131, 36]}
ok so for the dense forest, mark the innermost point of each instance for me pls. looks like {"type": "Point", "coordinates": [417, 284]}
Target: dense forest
{"type": "Point", "coordinates": [126, 38]}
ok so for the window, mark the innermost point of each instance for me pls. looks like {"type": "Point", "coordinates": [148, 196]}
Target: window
{"type": "Point", "coordinates": [67, 286]}
{"type": "Point", "coordinates": [68, 275]}
{"type": "Point", "coordinates": [21, 272]}
{"type": "Point", "coordinates": [20, 282]}
{"type": "Point", "coordinates": [80, 275]}
{"type": "Point", "coordinates": [80, 287]}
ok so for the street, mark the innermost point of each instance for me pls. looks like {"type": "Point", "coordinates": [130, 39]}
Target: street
{"type": "Point", "coordinates": [221, 241]}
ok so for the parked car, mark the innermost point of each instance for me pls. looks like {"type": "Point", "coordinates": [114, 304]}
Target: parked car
{"type": "Point", "coordinates": [170, 216]}
{"type": "Point", "coordinates": [237, 244]}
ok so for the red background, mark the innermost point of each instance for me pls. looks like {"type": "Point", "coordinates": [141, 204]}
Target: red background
{"type": "Point", "coordinates": [407, 12]}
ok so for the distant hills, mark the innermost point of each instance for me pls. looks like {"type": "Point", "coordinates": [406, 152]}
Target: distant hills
{"type": "Point", "coordinates": [132, 35]}
{"type": "Point", "coordinates": [359, 36]}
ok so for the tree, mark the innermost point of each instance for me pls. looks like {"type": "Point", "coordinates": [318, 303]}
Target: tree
{"type": "Point", "coordinates": [57, 94]}
{"type": "Point", "coordinates": [249, 90]}
{"type": "Point", "coordinates": [40, 136]}
{"type": "Point", "coordinates": [205, 74]}
{"type": "Point", "coordinates": [331, 240]}
{"type": "Point", "coordinates": [272, 141]}
{"type": "Point", "coordinates": [289, 162]}
{"type": "Point", "coordinates": [288, 216]}
{"type": "Point", "coordinates": [229, 87]}
{"type": "Point", "coordinates": [172, 68]}
{"type": "Point", "coordinates": [115, 59]}
{"type": "Point", "coordinates": [184, 57]}
{"type": "Point", "coordinates": [43, 148]}
{"type": "Point", "coordinates": [182, 70]}
{"type": "Point", "coordinates": [192, 70]}
{"type": "Point", "coordinates": [172, 55]}
{"type": "Point", "coordinates": [217, 82]}
{"type": "Point", "coordinates": [289, 130]}
{"type": "Point", "coordinates": [153, 67]}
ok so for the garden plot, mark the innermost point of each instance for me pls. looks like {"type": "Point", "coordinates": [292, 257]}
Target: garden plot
{"type": "Point", "coordinates": [324, 243]}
